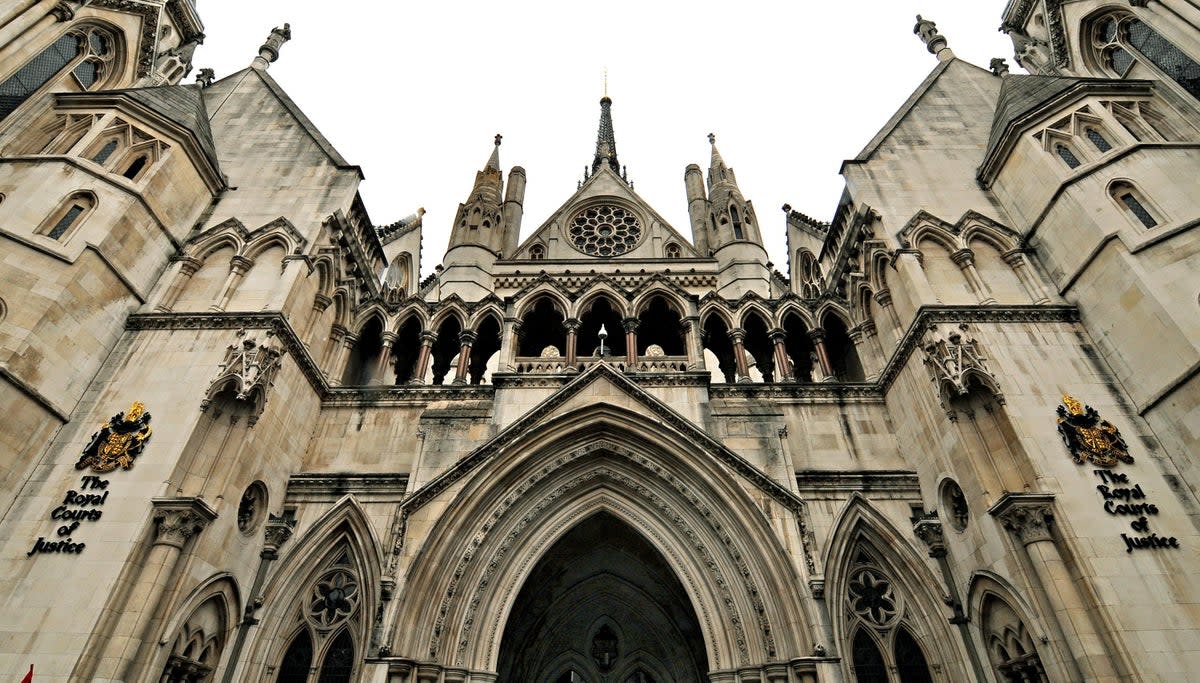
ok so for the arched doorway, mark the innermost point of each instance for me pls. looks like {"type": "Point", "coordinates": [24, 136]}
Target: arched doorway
{"type": "Point", "coordinates": [602, 605]}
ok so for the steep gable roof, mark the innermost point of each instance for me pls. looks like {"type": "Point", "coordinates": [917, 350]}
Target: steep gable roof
{"type": "Point", "coordinates": [583, 391]}
{"type": "Point", "coordinates": [183, 105]}
{"type": "Point", "coordinates": [220, 90]}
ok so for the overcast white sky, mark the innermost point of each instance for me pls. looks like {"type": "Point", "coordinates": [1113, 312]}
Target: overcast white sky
{"type": "Point", "coordinates": [414, 92]}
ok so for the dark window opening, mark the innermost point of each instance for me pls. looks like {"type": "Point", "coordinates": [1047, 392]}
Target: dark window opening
{"type": "Point", "coordinates": [1135, 207]}
{"type": "Point", "coordinates": [660, 325]}
{"type": "Point", "coordinates": [868, 662]}
{"type": "Point", "coordinates": [339, 660]}
{"type": "Point", "coordinates": [297, 660]}
{"type": "Point", "coordinates": [542, 326]}
{"type": "Point", "coordinates": [910, 661]}
{"type": "Point", "coordinates": [487, 344]}
{"type": "Point", "coordinates": [446, 349]}
{"type": "Point", "coordinates": [716, 340]}
{"type": "Point", "coordinates": [135, 167]}
{"type": "Point", "coordinates": [1098, 140]}
{"type": "Point", "coordinates": [600, 313]}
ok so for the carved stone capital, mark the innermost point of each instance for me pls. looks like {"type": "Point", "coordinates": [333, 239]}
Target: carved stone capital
{"type": "Point", "coordinates": [777, 335]}
{"type": "Point", "coordinates": [188, 265]}
{"type": "Point", "coordinates": [572, 324]}
{"type": "Point", "coordinates": [1027, 515]}
{"type": "Point", "coordinates": [240, 264]}
{"type": "Point", "coordinates": [884, 297]}
{"type": "Point", "coordinates": [817, 335]}
{"type": "Point", "coordinates": [387, 338]}
{"type": "Point", "coordinates": [929, 530]}
{"type": "Point", "coordinates": [62, 12]}
{"type": "Point", "coordinates": [631, 324]}
{"type": "Point", "coordinates": [178, 519]}
{"type": "Point", "coordinates": [276, 532]}
{"type": "Point", "coordinates": [737, 335]}
{"type": "Point", "coordinates": [321, 302]}
{"type": "Point", "coordinates": [428, 337]}
{"type": "Point", "coordinates": [467, 337]}
{"type": "Point", "coordinates": [963, 258]}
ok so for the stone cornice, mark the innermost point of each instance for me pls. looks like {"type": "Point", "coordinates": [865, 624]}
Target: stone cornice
{"type": "Point", "coordinates": [331, 485]}
{"type": "Point", "coordinates": [894, 483]}
{"type": "Point", "coordinates": [404, 395]}
{"type": "Point", "coordinates": [927, 315]}
{"type": "Point", "coordinates": [851, 392]}
{"type": "Point", "coordinates": [273, 321]}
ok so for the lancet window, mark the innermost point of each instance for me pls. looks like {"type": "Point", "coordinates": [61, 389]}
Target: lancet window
{"type": "Point", "coordinates": [881, 644]}
{"type": "Point", "coordinates": [322, 647]}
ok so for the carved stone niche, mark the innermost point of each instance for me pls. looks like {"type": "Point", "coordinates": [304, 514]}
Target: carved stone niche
{"type": "Point", "coordinates": [248, 370]}
{"type": "Point", "coordinates": [954, 361]}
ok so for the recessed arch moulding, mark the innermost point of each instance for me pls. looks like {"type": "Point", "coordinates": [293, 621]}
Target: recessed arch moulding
{"type": "Point", "coordinates": [460, 577]}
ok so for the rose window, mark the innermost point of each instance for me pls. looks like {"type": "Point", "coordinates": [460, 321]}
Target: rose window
{"type": "Point", "coordinates": [871, 597]}
{"type": "Point", "coordinates": [605, 230]}
{"type": "Point", "coordinates": [334, 597]}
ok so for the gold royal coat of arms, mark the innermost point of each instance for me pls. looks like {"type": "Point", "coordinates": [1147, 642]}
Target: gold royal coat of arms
{"type": "Point", "coordinates": [119, 441]}
{"type": "Point", "coordinates": [1090, 438]}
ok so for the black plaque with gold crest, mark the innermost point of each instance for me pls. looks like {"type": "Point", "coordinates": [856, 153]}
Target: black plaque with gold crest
{"type": "Point", "coordinates": [1090, 438]}
{"type": "Point", "coordinates": [119, 441]}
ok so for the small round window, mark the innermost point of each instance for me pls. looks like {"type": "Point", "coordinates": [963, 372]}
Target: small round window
{"type": "Point", "coordinates": [954, 505]}
{"type": "Point", "coordinates": [605, 230]}
{"type": "Point", "coordinates": [252, 508]}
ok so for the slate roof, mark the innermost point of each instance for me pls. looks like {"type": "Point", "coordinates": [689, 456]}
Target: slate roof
{"type": "Point", "coordinates": [1021, 94]}
{"type": "Point", "coordinates": [181, 104]}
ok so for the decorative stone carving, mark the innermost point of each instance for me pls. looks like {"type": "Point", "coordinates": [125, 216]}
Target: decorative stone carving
{"type": "Point", "coordinates": [176, 520]}
{"type": "Point", "coordinates": [929, 529]}
{"type": "Point", "coordinates": [249, 369]}
{"type": "Point", "coordinates": [62, 12]}
{"type": "Point", "coordinates": [1027, 515]}
{"type": "Point", "coordinates": [276, 532]}
{"type": "Point", "coordinates": [205, 77]}
{"type": "Point", "coordinates": [118, 441]}
{"type": "Point", "coordinates": [954, 359]}
{"type": "Point", "coordinates": [871, 597]}
{"type": "Point", "coordinates": [927, 31]}
{"type": "Point", "coordinates": [998, 66]}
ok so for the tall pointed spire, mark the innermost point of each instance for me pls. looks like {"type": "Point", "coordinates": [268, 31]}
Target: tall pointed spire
{"type": "Point", "coordinates": [606, 142]}
{"type": "Point", "coordinates": [493, 162]}
{"type": "Point", "coordinates": [718, 172]}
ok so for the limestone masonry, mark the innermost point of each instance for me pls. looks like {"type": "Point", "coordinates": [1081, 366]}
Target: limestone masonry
{"type": "Point", "coordinates": [956, 438]}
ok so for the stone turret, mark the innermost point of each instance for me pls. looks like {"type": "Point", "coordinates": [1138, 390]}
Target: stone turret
{"type": "Point", "coordinates": [733, 233]}
{"type": "Point", "coordinates": [269, 51]}
{"type": "Point", "coordinates": [479, 235]}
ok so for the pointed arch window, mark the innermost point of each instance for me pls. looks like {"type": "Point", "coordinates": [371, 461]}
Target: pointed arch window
{"type": "Point", "coordinates": [339, 660]}
{"type": "Point", "coordinates": [134, 168]}
{"type": "Point", "coordinates": [738, 234]}
{"type": "Point", "coordinates": [672, 250]}
{"type": "Point", "coordinates": [297, 660]}
{"type": "Point", "coordinates": [1133, 203]}
{"type": "Point", "coordinates": [1067, 155]}
{"type": "Point", "coordinates": [86, 51]}
{"type": "Point", "coordinates": [1123, 40]}
{"type": "Point", "coordinates": [1098, 140]}
{"type": "Point", "coordinates": [882, 645]}
{"type": "Point", "coordinates": [105, 151]}
{"type": "Point", "coordinates": [537, 252]}
{"type": "Point", "coordinates": [61, 224]}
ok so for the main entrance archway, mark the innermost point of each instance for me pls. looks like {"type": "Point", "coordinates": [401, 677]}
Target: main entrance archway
{"type": "Point", "coordinates": [602, 606]}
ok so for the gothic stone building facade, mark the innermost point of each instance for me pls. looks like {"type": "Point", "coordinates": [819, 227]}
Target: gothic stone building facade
{"type": "Point", "coordinates": [954, 443]}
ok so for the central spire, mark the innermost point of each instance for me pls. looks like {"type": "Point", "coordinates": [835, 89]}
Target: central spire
{"type": "Point", "coordinates": [606, 143]}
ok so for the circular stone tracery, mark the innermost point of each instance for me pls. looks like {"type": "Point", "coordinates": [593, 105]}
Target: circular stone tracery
{"type": "Point", "coordinates": [605, 230]}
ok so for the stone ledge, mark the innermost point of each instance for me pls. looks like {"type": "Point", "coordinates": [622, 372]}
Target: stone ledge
{"type": "Point", "coordinates": [332, 485]}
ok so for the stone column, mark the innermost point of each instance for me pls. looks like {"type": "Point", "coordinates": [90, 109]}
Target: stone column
{"type": "Point", "coordinates": [379, 372]}
{"type": "Point", "coordinates": [428, 337]}
{"type": "Point", "coordinates": [737, 336]}
{"type": "Point", "coordinates": [238, 266]}
{"type": "Point", "coordinates": [965, 260]}
{"type": "Point", "coordinates": [1029, 518]}
{"type": "Point", "coordinates": [912, 272]}
{"type": "Point", "coordinates": [1019, 262]}
{"type": "Point", "coordinates": [176, 521]}
{"type": "Point", "coordinates": [691, 335]}
{"type": "Point", "coordinates": [884, 298]}
{"type": "Point", "coordinates": [320, 303]}
{"type": "Point", "coordinates": [776, 673]}
{"type": "Point", "coordinates": [817, 335]}
{"type": "Point", "coordinates": [466, 339]}
{"type": "Point", "coordinates": [572, 326]}
{"type": "Point", "coordinates": [859, 335]}
{"type": "Point", "coordinates": [339, 356]}
{"type": "Point", "coordinates": [187, 268]}
{"type": "Point", "coordinates": [510, 341]}
{"type": "Point", "coordinates": [783, 364]}
{"type": "Point", "coordinates": [631, 327]}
